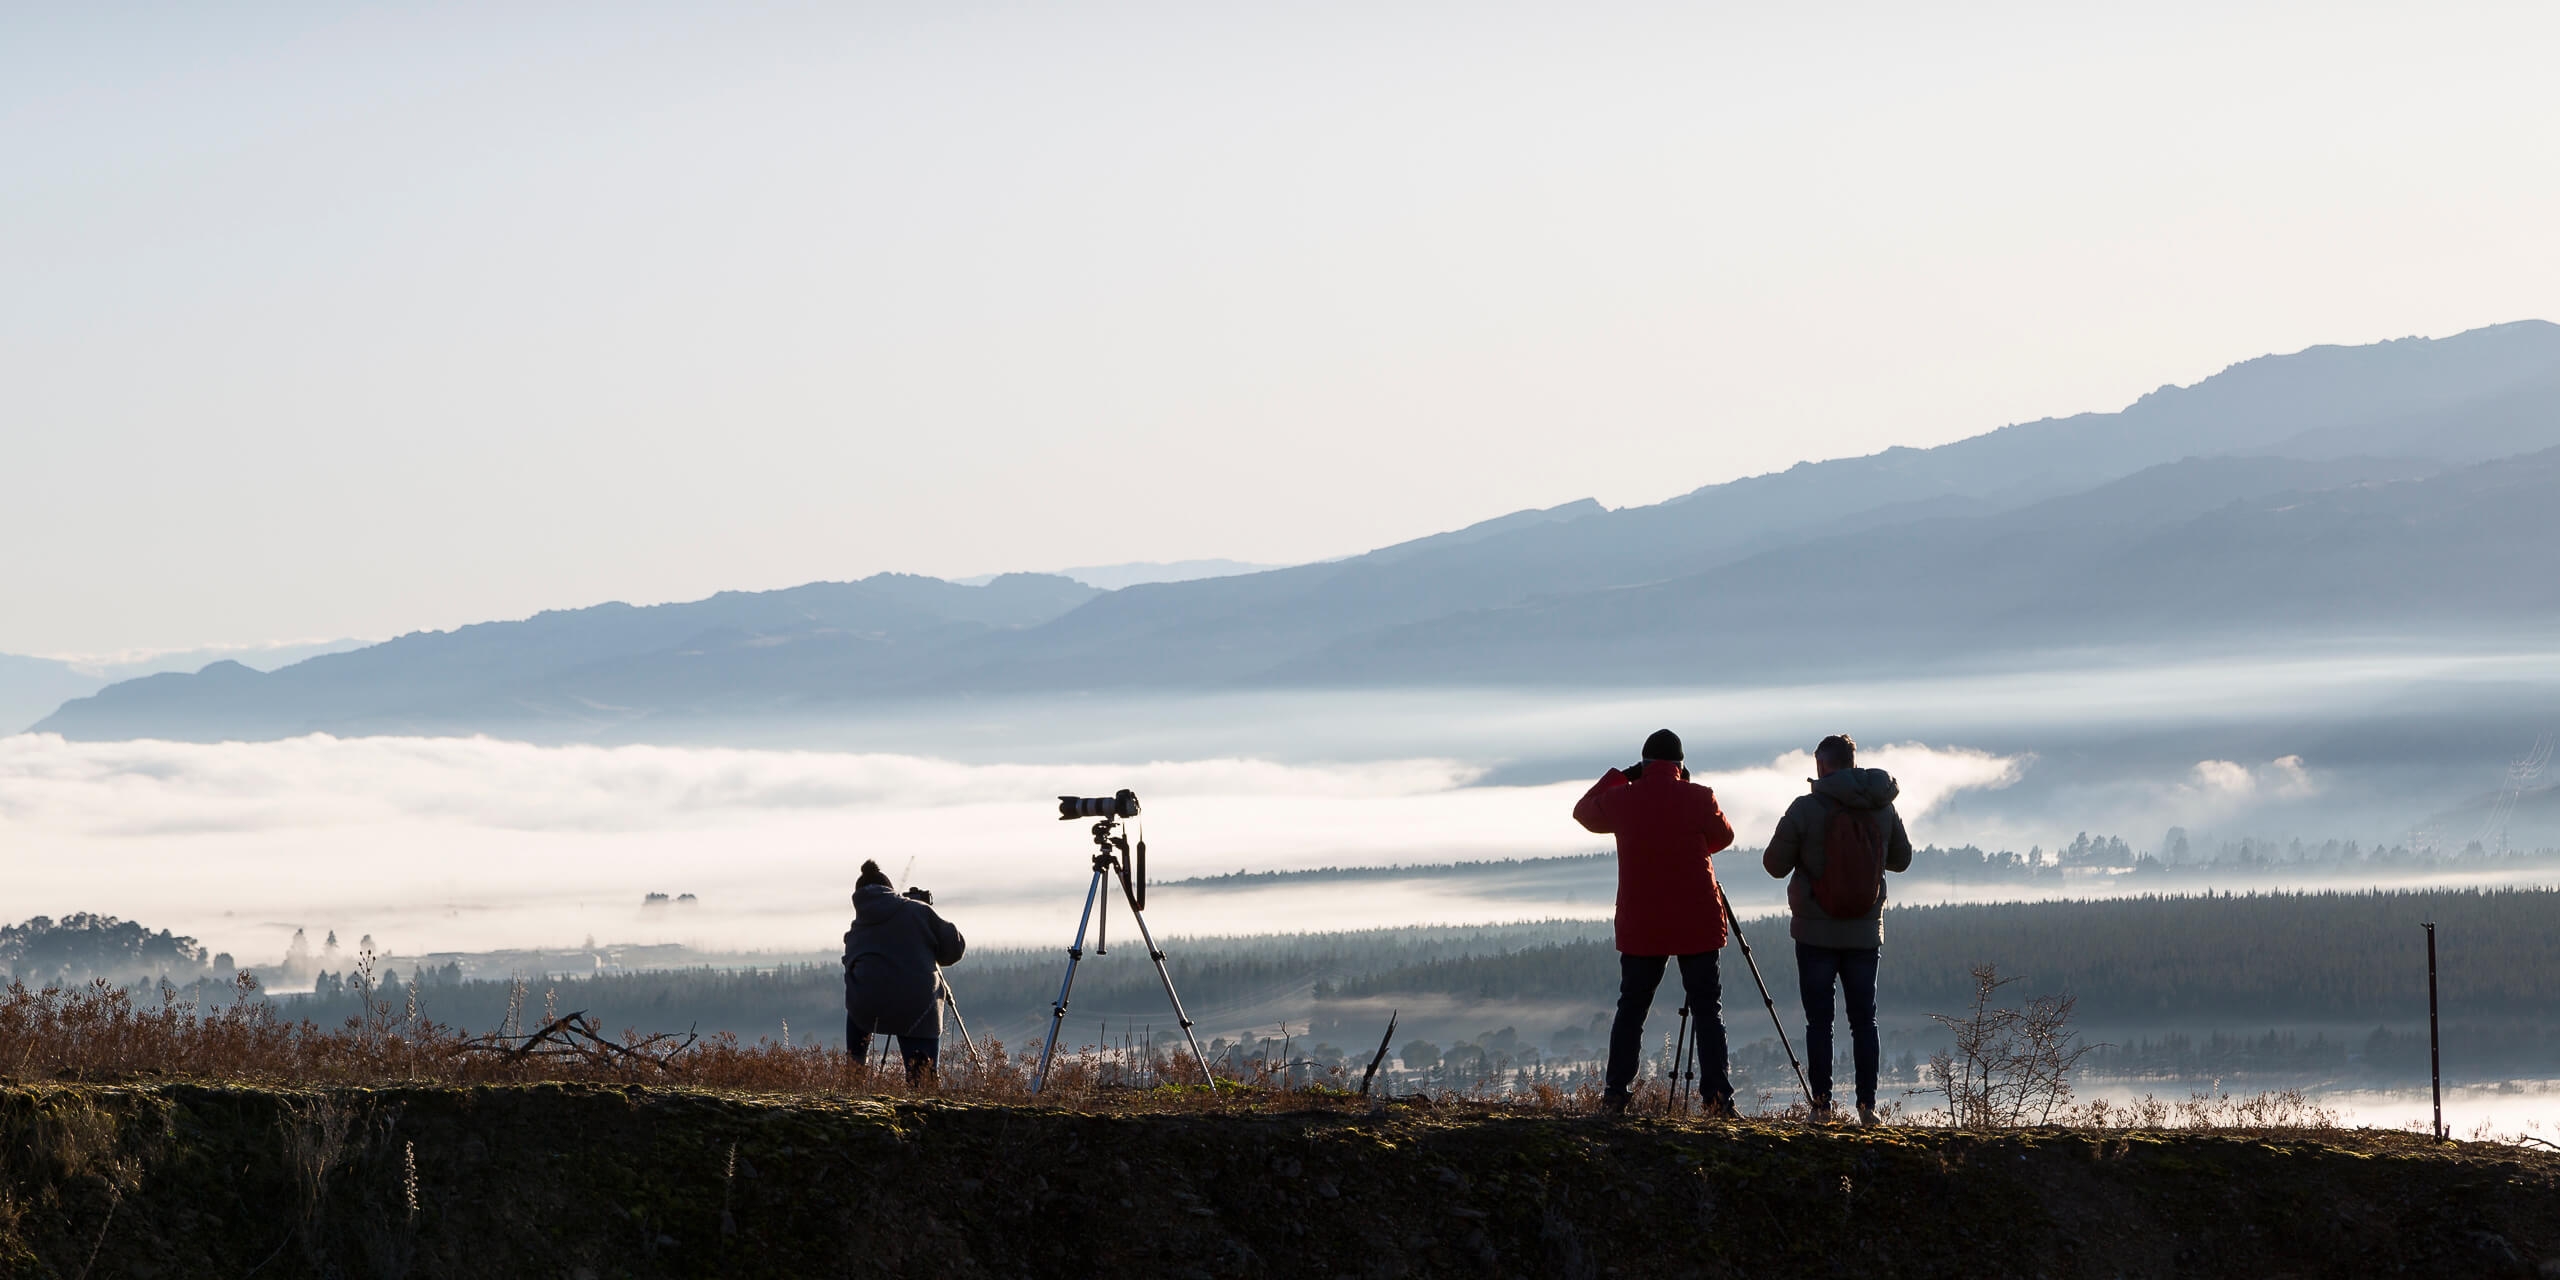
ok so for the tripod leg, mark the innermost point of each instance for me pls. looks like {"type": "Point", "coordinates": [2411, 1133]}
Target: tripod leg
{"type": "Point", "coordinates": [1148, 936]}
{"type": "Point", "coordinates": [1058, 1011]}
{"type": "Point", "coordinates": [954, 1006]}
{"type": "Point", "coordinates": [1774, 1021]}
{"type": "Point", "coordinates": [1679, 1054]}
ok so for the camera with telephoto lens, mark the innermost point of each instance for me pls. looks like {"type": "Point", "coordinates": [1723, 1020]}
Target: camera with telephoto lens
{"type": "Point", "coordinates": [1123, 805]}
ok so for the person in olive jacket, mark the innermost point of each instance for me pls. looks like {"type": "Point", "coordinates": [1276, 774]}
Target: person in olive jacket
{"type": "Point", "coordinates": [892, 974]}
{"type": "Point", "coordinates": [1845, 802]}
{"type": "Point", "coordinates": [1667, 828]}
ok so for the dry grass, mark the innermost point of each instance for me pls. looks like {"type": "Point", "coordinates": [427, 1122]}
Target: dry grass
{"type": "Point", "coordinates": [102, 1033]}
{"type": "Point", "coordinates": [2287, 1111]}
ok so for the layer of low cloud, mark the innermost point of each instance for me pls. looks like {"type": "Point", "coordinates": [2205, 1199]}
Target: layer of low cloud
{"type": "Point", "coordinates": [476, 843]}
{"type": "Point", "coordinates": [1929, 777]}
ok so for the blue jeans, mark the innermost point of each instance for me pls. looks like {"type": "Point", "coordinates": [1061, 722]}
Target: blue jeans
{"type": "Point", "coordinates": [1854, 968]}
{"type": "Point", "coordinates": [919, 1051]}
{"type": "Point", "coordinates": [1638, 978]}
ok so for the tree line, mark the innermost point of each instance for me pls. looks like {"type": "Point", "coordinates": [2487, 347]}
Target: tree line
{"type": "Point", "coordinates": [2336, 956]}
{"type": "Point", "coordinates": [2188, 972]}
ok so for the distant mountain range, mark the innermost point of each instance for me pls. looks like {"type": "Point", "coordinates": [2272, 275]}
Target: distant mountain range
{"type": "Point", "coordinates": [1112, 577]}
{"type": "Point", "coordinates": [2387, 489]}
{"type": "Point", "coordinates": [32, 687]}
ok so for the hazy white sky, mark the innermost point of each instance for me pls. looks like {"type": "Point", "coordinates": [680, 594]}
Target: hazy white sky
{"type": "Point", "coordinates": [322, 320]}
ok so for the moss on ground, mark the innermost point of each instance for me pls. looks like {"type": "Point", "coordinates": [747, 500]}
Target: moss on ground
{"type": "Point", "coordinates": [591, 1182]}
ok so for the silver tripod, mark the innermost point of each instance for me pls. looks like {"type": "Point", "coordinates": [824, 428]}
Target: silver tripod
{"type": "Point", "coordinates": [1112, 857]}
{"type": "Point", "coordinates": [954, 1006]}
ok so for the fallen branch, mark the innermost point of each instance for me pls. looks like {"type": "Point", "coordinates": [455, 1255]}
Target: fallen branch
{"type": "Point", "coordinates": [575, 1036]}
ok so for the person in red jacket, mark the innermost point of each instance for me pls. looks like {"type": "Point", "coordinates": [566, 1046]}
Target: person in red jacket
{"type": "Point", "coordinates": [1667, 829]}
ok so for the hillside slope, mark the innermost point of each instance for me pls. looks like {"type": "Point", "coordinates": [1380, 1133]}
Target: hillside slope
{"type": "Point", "coordinates": [2411, 399]}
{"type": "Point", "coordinates": [734, 647]}
{"type": "Point", "coordinates": [591, 1181]}
{"type": "Point", "coordinates": [2219, 550]}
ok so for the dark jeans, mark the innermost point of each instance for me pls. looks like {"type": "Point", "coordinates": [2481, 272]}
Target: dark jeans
{"type": "Point", "coordinates": [919, 1051]}
{"type": "Point", "coordinates": [1638, 978]}
{"type": "Point", "coordinates": [1854, 968]}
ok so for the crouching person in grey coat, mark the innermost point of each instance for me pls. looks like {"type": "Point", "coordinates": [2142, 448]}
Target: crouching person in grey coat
{"type": "Point", "coordinates": [891, 983]}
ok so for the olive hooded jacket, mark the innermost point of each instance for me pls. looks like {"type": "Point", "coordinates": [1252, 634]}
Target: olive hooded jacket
{"type": "Point", "coordinates": [1795, 850]}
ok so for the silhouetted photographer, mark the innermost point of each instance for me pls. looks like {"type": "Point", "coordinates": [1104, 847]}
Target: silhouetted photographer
{"type": "Point", "coordinates": [1836, 843]}
{"type": "Point", "coordinates": [1668, 905]}
{"type": "Point", "coordinates": [892, 971]}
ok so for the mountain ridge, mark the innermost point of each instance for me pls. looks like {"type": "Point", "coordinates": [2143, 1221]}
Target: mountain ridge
{"type": "Point", "coordinates": [1562, 594]}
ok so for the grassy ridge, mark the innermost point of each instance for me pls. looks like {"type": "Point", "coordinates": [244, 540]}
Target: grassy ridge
{"type": "Point", "coordinates": [595, 1181]}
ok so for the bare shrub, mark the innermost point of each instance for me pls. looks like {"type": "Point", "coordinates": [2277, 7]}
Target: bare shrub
{"type": "Point", "coordinates": [82, 1141]}
{"type": "Point", "coordinates": [316, 1135]}
{"type": "Point", "coordinates": [2285, 1111]}
{"type": "Point", "coordinates": [2009, 1066]}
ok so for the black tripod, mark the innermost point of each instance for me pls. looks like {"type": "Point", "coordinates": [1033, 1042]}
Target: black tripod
{"type": "Point", "coordinates": [1112, 857]}
{"type": "Point", "coordinates": [1684, 1064]}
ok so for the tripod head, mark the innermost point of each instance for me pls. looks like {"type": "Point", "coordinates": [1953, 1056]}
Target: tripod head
{"type": "Point", "coordinates": [1113, 853]}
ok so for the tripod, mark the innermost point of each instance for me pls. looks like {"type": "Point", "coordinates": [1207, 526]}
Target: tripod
{"type": "Point", "coordinates": [1112, 857]}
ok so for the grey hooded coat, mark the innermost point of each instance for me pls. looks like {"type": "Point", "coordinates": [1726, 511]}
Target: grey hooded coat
{"type": "Point", "coordinates": [1795, 850]}
{"type": "Point", "coordinates": [890, 985]}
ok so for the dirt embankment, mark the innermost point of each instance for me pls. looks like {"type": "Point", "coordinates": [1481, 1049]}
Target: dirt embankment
{"type": "Point", "coordinates": [593, 1182]}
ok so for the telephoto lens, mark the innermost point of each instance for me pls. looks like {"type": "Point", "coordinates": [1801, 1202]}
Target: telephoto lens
{"type": "Point", "coordinates": [1123, 805]}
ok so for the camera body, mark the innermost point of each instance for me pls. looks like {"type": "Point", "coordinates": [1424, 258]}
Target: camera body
{"type": "Point", "coordinates": [1122, 805]}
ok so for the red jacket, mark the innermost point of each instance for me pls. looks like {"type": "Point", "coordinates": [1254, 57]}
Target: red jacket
{"type": "Point", "coordinates": [1667, 828]}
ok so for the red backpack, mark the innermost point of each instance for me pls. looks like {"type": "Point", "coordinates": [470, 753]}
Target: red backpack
{"type": "Point", "coordinates": [1852, 878]}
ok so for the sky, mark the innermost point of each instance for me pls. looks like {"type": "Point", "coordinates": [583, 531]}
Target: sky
{"type": "Point", "coordinates": [324, 321]}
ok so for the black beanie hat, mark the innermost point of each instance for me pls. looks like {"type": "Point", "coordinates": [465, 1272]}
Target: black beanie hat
{"type": "Point", "coordinates": [1663, 745]}
{"type": "Point", "coordinates": [871, 874]}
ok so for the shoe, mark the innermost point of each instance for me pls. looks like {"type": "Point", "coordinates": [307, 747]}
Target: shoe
{"type": "Point", "coordinates": [1721, 1109]}
{"type": "Point", "coordinates": [1867, 1115]}
{"type": "Point", "coordinates": [1819, 1112]}
{"type": "Point", "coordinates": [1615, 1101]}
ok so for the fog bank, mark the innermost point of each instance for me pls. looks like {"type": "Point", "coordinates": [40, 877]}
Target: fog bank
{"type": "Point", "coordinates": [472, 844]}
